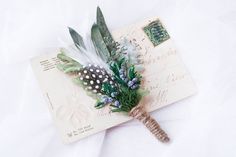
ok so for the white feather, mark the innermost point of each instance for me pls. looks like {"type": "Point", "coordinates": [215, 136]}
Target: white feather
{"type": "Point", "coordinates": [130, 51]}
{"type": "Point", "coordinates": [84, 56]}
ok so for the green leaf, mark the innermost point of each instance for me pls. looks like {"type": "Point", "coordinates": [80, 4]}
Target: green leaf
{"type": "Point", "coordinates": [120, 62]}
{"type": "Point", "coordinates": [64, 58]}
{"type": "Point", "coordinates": [104, 30]}
{"type": "Point", "coordinates": [99, 43]}
{"type": "Point", "coordinates": [72, 69]}
{"type": "Point", "coordinates": [78, 40]}
{"type": "Point", "coordinates": [60, 67]}
{"type": "Point", "coordinates": [107, 88]}
{"type": "Point", "coordinates": [117, 110]}
{"type": "Point", "coordinates": [99, 105]}
{"type": "Point", "coordinates": [132, 72]}
{"type": "Point", "coordinates": [114, 68]}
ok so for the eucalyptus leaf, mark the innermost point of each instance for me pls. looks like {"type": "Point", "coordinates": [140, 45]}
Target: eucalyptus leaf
{"type": "Point", "coordinates": [104, 30]}
{"type": "Point", "coordinates": [78, 40]}
{"type": "Point", "coordinates": [99, 43]}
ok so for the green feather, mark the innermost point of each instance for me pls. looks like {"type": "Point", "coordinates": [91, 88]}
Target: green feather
{"type": "Point", "coordinates": [78, 40]}
{"type": "Point", "coordinates": [109, 41]}
{"type": "Point", "coordinates": [99, 43]}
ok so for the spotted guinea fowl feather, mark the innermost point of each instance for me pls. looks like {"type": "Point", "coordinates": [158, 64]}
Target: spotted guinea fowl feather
{"type": "Point", "coordinates": [93, 76]}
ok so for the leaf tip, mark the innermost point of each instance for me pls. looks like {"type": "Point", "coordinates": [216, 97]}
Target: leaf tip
{"type": "Point", "coordinates": [98, 10]}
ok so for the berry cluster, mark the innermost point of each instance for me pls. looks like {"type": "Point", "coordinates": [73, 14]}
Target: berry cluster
{"type": "Point", "coordinates": [133, 84]}
{"type": "Point", "coordinates": [108, 100]}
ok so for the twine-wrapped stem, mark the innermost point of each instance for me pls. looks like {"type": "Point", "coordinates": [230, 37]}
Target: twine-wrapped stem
{"type": "Point", "coordinates": [140, 114]}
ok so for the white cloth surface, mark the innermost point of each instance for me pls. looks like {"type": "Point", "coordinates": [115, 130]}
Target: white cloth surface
{"type": "Point", "coordinates": [201, 126]}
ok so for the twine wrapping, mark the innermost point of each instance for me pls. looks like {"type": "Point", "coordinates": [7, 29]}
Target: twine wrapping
{"type": "Point", "coordinates": [140, 114]}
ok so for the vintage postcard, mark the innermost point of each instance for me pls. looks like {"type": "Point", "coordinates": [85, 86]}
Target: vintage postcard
{"type": "Point", "coordinates": [165, 77]}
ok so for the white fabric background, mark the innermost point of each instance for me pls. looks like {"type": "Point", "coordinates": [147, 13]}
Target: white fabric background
{"type": "Point", "coordinates": [201, 126]}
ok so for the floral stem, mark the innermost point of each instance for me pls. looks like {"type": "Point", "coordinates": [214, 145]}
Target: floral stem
{"type": "Point", "coordinates": [140, 114]}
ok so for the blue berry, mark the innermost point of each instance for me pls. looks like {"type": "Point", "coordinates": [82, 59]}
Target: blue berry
{"type": "Point", "coordinates": [109, 100]}
{"type": "Point", "coordinates": [106, 99]}
{"type": "Point", "coordinates": [130, 83]}
{"type": "Point", "coordinates": [103, 97]}
{"type": "Point", "coordinates": [135, 79]}
{"type": "Point", "coordinates": [114, 94]}
{"type": "Point", "coordinates": [117, 103]}
{"type": "Point", "coordinates": [124, 78]}
{"type": "Point", "coordinates": [134, 86]}
{"type": "Point", "coordinates": [121, 71]}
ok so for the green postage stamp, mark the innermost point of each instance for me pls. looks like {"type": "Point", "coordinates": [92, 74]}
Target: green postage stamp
{"type": "Point", "coordinates": [156, 32]}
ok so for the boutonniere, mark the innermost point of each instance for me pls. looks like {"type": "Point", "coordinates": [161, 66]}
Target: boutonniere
{"type": "Point", "coordinates": [109, 72]}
